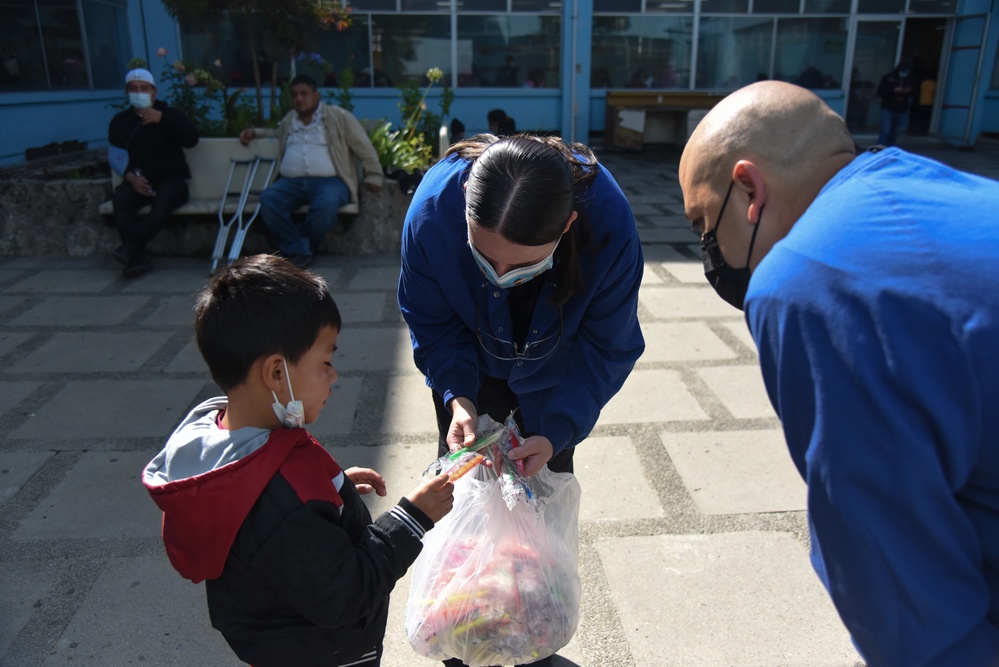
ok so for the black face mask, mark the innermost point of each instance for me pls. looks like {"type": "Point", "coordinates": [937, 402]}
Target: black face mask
{"type": "Point", "coordinates": [730, 284]}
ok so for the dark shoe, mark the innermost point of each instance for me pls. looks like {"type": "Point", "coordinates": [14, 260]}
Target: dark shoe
{"type": "Point", "coordinates": [137, 266]}
{"type": "Point", "coordinates": [122, 254]}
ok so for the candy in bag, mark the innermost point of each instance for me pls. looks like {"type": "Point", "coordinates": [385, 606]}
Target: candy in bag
{"type": "Point", "coordinates": [499, 585]}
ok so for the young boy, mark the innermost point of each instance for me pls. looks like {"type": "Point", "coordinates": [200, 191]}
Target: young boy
{"type": "Point", "coordinates": [296, 571]}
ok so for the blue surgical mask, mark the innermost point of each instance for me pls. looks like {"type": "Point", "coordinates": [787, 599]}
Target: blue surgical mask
{"type": "Point", "coordinates": [140, 100]}
{"type": "Point", "coordinates": [293, 414]}
{"type": "Point", "coordinates": [513, 277]}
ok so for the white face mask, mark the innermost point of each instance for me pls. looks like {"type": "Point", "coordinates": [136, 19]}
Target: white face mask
{"type": "Point", "coordinates": [293, 414]}
{"type": "Point", "coordinates": [140, 100]}
{"type": "Point", "coordinates": [512, 277]}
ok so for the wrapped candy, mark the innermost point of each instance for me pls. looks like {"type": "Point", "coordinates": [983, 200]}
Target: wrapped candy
{"type": "Point", "coordinates": [498, 584]}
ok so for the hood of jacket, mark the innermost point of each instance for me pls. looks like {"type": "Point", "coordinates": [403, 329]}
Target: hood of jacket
{"type": "Point", "coordinates": [207, 479]}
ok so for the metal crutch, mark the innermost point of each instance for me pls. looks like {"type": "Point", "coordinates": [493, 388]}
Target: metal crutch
{"type": "Point", "coordinates": [242, 227]}
{"type": "Point", "coordinates": [225, 225]}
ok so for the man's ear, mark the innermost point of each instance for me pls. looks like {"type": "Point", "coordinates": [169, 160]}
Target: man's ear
{"type": "Point", "coordinates": [749, 178]}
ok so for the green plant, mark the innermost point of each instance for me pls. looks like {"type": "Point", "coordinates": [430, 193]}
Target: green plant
{"type": "Point", "coordinates": [343, 96]}
{"type": "Point", "coordinates": [410, 149]}
{"type": "Point", "coordinates": [398, 150]}
{"type": "Point", "coordinates": [414, 108]}
{"type": "Point", "coordinates": [213, 109]}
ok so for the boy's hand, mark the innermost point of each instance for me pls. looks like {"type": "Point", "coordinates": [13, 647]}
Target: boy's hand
{"type": "Point", "coordinates": [535, 452]}
{"type": "Point", "coordinates": [464, 421]}
{"type": "Point", "coordinates": [435, 497]}
{"type": "Point", "coordinates": [366, 480]}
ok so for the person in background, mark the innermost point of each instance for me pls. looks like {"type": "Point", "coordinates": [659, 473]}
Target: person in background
{"type": "Point", "coordinates": [500, 124]}
{"type": "Point", "coordinates": [457, 131]}
{"type": "Point", "coordinates": [319, 144]}
{"type": "Point", "coordinates": [897, 89]}
{"type": "Point", "coordinates": [875, 311]}
{"type": "Point", "coordinates": [154, 136]}
{"type": "Point", "coordinates": [923, 111]}
{"type": "Point", "coordinates": [506, 75]}
{"type": "Point", "coordinates": [535, 78]}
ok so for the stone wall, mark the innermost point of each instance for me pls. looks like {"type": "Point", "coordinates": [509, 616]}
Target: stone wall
{"type": "Point", "coordinates": [53, 216]}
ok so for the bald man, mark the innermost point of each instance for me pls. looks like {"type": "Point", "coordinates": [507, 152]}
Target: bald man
{"type": "Point", "coordinates": [871, 287]}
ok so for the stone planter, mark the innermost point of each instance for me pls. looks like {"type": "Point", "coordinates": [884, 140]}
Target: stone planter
{"type": "Point", "coordinates": [45, 214]}
{"type": "Point", "coordinates": [54, 217]}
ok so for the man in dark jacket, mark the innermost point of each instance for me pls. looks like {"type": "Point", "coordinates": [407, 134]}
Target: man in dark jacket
{"type": "Point", "coordinates": [896, 90]}
{"type": "Point", "coordinates": [155, 137]}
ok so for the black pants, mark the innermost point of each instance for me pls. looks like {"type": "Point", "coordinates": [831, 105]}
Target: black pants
{"type": "Point", "coordinates": [171, 194]}
{"type": "Point", "coordinates": [496, 400]}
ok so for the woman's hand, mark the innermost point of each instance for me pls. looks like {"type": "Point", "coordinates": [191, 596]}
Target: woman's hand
{"type": "Point", "coordinates": [366, 480]}
{"type": "Point", "coordinates": [535, 452]}
{"type": "Point", "coordinates": [464, 421]}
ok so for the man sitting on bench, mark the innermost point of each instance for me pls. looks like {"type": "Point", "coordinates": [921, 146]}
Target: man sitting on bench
{"type": "Point", "coordinates": [318, 145]}
{"type": "Point", "coordinates": [155, 136]}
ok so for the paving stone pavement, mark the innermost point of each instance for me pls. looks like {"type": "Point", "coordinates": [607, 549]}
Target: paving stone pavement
{"type": "Point", "coordinates": [693, 531]}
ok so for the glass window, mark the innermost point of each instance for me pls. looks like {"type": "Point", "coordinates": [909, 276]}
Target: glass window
{"type": "Point", "coordinates": [21, 47]}
{"type": "Point", "coordinates": [426, 6]}
{"type": "Point", "coordinates": [670, 7]}
{"type": "Point", "coordinates": [536, 6]}
{"type": "Point", "coordinates": [108, 42]}
{"type": "Point", "coordinates": [373, 5]}
{"type": "Point", "coordinates": [617, 6]}
{"type": "Point", "coordinates": [880, 6]}
{"type": "Point", "coordinates": [224, 51]}
{"type": "Point", "coordinates": [827, 6]}
{"type": "Point", "coordinates": [50, 53]}
{"type": "Point", "coordinates": [724, 6]}
{"type": "Point", "coordinates": [509, 51]}
{"type": "Point", "coordinates": [641, 52]}
{"type": "Point", "coordinates": [932, 6]}
{"type": "Point", "coordinates": [995, 74]}
{"type": "Point", "coordinates": [776, 6]}
{"type": "Point", "coordinates": [733, 52]}
{"type": "Point", "coordinates": [482, 5]}
{"type": "Point", "coordinates": [406, 46]}
{"type": "Point", "coordinates": [332, 53]}
{"type": "Point", "coordinates": [811, 51]}
{"type": "Point", "coordinates": [63, 41]}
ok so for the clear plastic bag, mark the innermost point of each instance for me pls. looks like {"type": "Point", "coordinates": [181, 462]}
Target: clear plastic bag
{"type": "Point", "coordinates": [494, 442]}
{"type": "Point", "coordinates": [498, 584]}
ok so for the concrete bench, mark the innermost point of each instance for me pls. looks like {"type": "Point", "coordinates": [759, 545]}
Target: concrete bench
{"type": "Point", "coordinates": [210, 162]}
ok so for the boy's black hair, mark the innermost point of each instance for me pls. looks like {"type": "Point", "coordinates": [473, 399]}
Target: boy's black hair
{"type": "Point", "coordinates": [259, 306]}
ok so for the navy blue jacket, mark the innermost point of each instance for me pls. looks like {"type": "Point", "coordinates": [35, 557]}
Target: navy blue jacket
{"type": "Point", "coordinates": [442, 291]}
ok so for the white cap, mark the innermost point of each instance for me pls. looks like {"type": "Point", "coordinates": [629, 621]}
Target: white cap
{"type": "Point", "coordinates": [140, 74]}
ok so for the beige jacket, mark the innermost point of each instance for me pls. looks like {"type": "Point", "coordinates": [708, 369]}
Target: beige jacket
{"type": "Point", "coordinates": [347, 141]}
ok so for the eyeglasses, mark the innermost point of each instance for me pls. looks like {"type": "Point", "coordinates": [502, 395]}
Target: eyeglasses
{"type": "Point", "coordinates": [508, 350]}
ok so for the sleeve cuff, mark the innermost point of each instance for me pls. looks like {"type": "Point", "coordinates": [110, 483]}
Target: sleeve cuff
{"type": "Point", "coordinates": [412, 517]}
{"type": "Point", "coordinates": [560, 431]}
